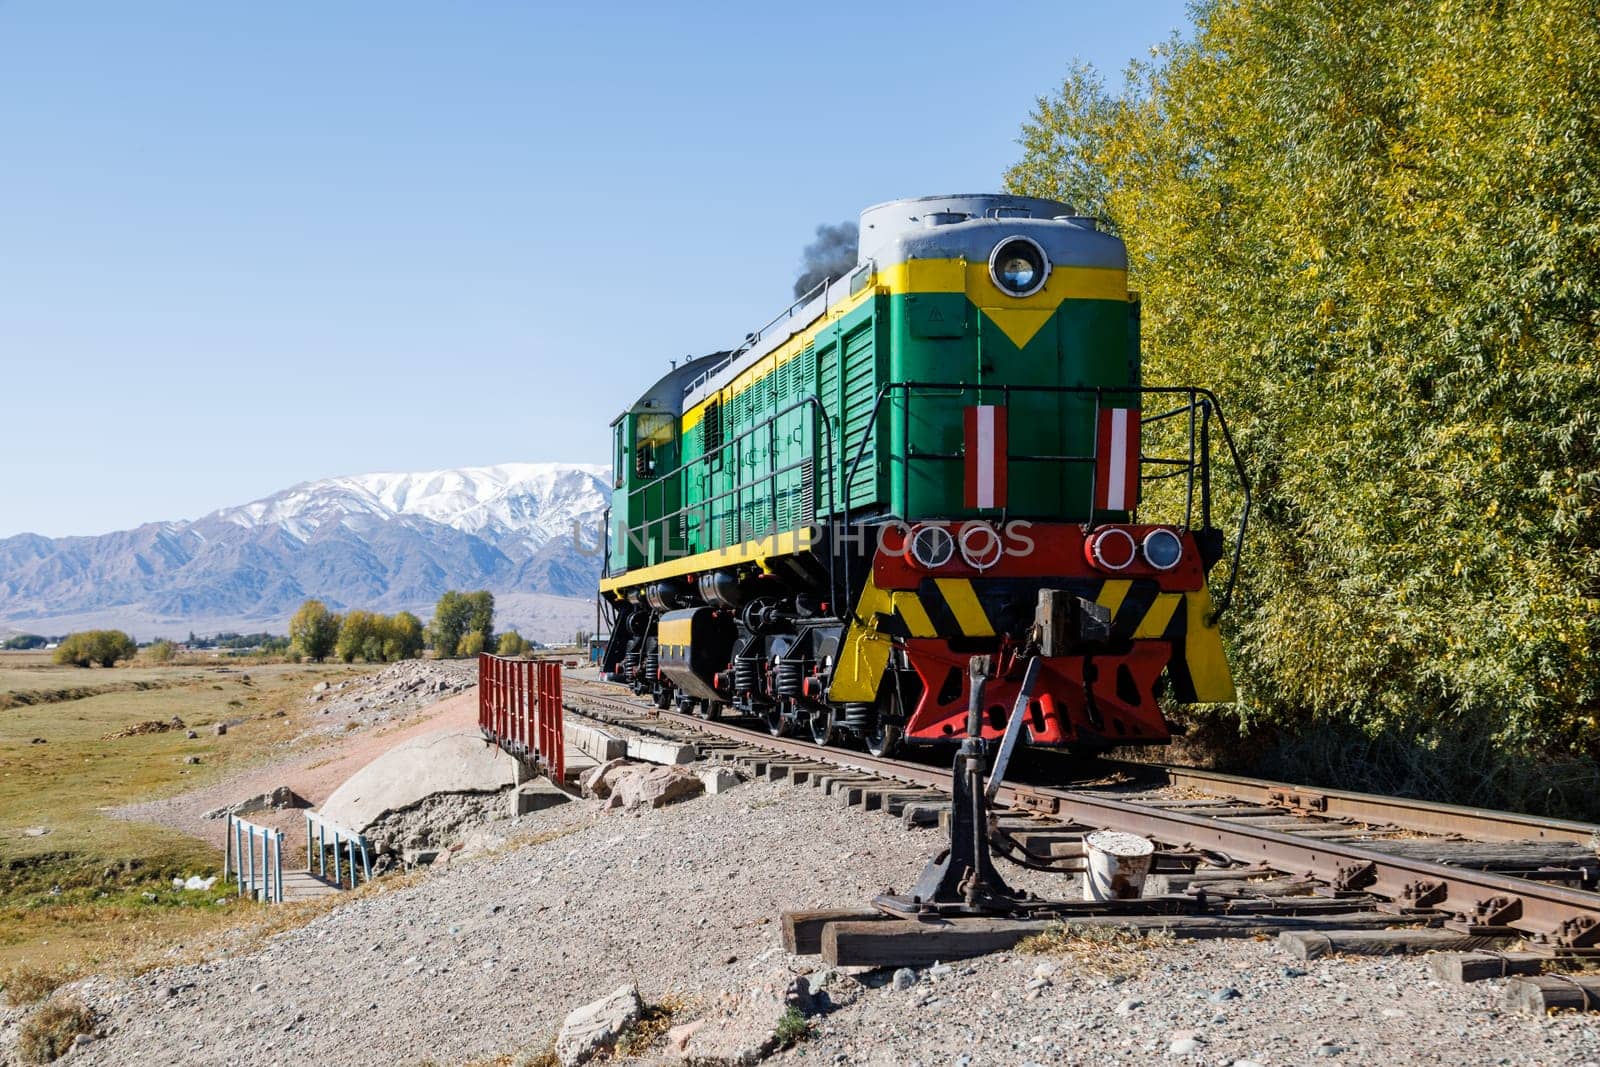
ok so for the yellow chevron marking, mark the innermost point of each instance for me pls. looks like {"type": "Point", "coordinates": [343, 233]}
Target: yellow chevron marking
{"type": "Point", "coordinates": [875, 601]}
{"type": "Point", "coordinates": [1112, 595]}
{"type": "Point", "coordinates": [1202, 651]}
{"type": "Point", "coordinates": [1154, 623]}
{"type": "Point", "coordinates": [1019, 323]}
{"type": "Point", "coordinates": [964, 606]}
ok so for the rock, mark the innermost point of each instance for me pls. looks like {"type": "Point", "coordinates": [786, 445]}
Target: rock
{"type": "Point", "coordinates": [191, 759]}
{"type": "Point", "coordinates": [597, 782]}
{"type": "Point", "coordinates": [904, 979]}
{"type": "Point", "coordinates": [220, 729]}
{"type": "Point", "coordinates": [1225, 994]}
{"type": "Point", "coordinates": [1329, 1050]}
{"type": "Point", "coordinates": [745, 1031]}
{"type": "Point", "coordinates": [1293, 972]}
{"type": "Point", "coordinates": [1184, 1046]}
{"type": "Point", "coordinates": [320, 687]}
{"type": "Point", "coordinates": [678, 1037]}
{"type": "Point", "coordinates": [190, 734]}
{"type": "Point", "coordinates": [1130, 1005]}
{"type": "Point", "coordinates": [38, 741]}
{"type": "Point", "coordinates": [652, 787]}
{"type": "Point", "coordinates": [36, 831]}
{"type": "Point", "coordinates": [595, 1027]}
{"type": "Point", "coordinates": [194, 881]}
{"type": "Point", "coordinates": [718, 779]}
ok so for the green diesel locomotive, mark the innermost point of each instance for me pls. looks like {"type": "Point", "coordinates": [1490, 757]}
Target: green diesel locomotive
{"type": "Point", "coordinates": [947, 452]}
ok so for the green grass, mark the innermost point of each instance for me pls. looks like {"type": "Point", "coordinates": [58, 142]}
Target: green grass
{"type": "Point", "coordinates": [95, 887]}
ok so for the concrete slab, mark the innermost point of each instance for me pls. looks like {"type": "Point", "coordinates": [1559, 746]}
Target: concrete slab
{"type": "Point", "coordinates": [593, 742]}
{"type": "Point", "coordinates": [668, 753]}
{"type": "Point", "coordinates": [718, 779]}
{"type": "Point", "coordinates": [444, 761]}
{"type": "Point", "coordinates": [539, 794]}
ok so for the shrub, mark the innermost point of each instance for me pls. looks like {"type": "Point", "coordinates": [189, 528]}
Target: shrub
{"type": "Point", "coordinates": [49, 1032]}
{"type": "Point", "coordinates": [512, 644]}
{"type": "Point", "coordinates": [25, 984]}
{"type": "Point", "coordinates": [104, 647]}
{"type": "Point", "coordinates": [471, 645]}
{"type": "Point", "coordinates": [160, 652]}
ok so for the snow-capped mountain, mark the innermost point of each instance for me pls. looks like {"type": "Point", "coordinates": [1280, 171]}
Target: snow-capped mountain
{"type": "Point", "coordinates": [382, 542]}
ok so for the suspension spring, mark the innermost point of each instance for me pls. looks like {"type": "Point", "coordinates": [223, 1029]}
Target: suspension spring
{"type": "Point", "coordinates": [787, 675]}
{"type": "Point", "coordinates": [858, 716]}
{"type": "Point", "coordinates": [746, 674]}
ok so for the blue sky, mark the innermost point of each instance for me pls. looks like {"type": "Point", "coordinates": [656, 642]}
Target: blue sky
{"type": "Point", "coordinates": [247, 245]}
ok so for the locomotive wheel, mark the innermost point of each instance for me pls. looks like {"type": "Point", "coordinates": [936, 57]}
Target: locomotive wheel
{"type": "Point", "coordinates": [884, 738]}
{"type": "Point", "coordinates": [777, 719]}
{"type": "Point", "coordinates": [823, 731]}
{"type": "Point", "coordinates": [663, 698]}
{"type": "Point", "coordinates": [709, 710]}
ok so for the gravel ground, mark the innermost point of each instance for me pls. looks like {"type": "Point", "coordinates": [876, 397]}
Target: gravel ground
{"type": "Point", "coordinates": [486, 956]}
{"type": "Point", "coordinates": [392, 694]}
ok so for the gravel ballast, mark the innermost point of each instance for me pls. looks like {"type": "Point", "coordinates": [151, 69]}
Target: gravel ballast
{"type": "Point", "coordinates": [486, 956]}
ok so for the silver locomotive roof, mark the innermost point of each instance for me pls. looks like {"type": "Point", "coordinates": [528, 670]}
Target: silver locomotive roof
{"type": "Point", "coordinates": [960, 225]}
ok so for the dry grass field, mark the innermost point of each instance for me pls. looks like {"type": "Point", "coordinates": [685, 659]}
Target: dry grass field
{"type": "Point", "coordinates": [79, 889]}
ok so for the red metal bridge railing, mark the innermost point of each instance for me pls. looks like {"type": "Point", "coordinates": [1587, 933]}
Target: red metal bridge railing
{"type": "Point", "coordinates": [519, 709]}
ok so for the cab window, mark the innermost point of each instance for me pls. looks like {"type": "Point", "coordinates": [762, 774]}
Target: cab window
{"type": "Point", "coordinates": [652, 444]}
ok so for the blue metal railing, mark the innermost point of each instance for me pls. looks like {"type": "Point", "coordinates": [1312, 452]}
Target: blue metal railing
{"type": "Point", "coordinates": [254, 856]}
{"type": "Point", "coordinates": [351, 852]}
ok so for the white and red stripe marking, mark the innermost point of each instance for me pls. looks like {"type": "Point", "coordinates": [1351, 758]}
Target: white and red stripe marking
{"type": "Point", "coordinates": [986, 456]}
{"type": "Point", "coordinates": [1116, 460]}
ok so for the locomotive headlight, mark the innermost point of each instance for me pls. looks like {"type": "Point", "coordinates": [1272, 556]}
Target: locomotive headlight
{"type": "Point", "coordinates": [1019, 266]}
{"type": "Point", "coordinates": [932, 546]}
{"type": "Point", "coordinates": [1162, 549]}
{"type": "Point", "coordinates": [1111, 549]}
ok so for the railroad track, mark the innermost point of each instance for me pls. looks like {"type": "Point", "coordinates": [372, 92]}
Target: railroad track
{"type": "Point", "coordinates": [1482, 874]}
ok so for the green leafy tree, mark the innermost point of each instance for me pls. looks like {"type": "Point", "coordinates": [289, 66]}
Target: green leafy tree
{"type": "Point", "coordinates": [1371, 228]}
{"type": "Point", "coordinates": [404, 637]}
{"type": "Point", "coordinates": [450, 617]}
{"type": "Point", "coordinates": [23, 642]}
{"type": "Point", "coordinates": [104, 647]}
{"type": "Point", "coordinates": [458, 614]}
{"type": "Point", "coordinates": [314, 631]}
{"type": "Point", "coordinates": [360, 633]}
{"type": "Point", "coordinates": [471, 645]}
{"type": "Point", "coordinates": [512, 644]}
{"type": "Point", "coordinates": [481, 617]}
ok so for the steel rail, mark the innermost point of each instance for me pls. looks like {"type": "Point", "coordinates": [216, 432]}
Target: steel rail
{"type": "Point", "coordinates": [1542, 911]}
{"type": "Point", "coordinates": [1408, 813]}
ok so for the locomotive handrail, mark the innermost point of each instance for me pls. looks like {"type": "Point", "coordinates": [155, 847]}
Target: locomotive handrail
{"type": "Point", "coordinates": [753, 339]}
{"type": "Point", "coordinates": [1199, 400]}
{"type": "Point", "coordinates": [708, 504]}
